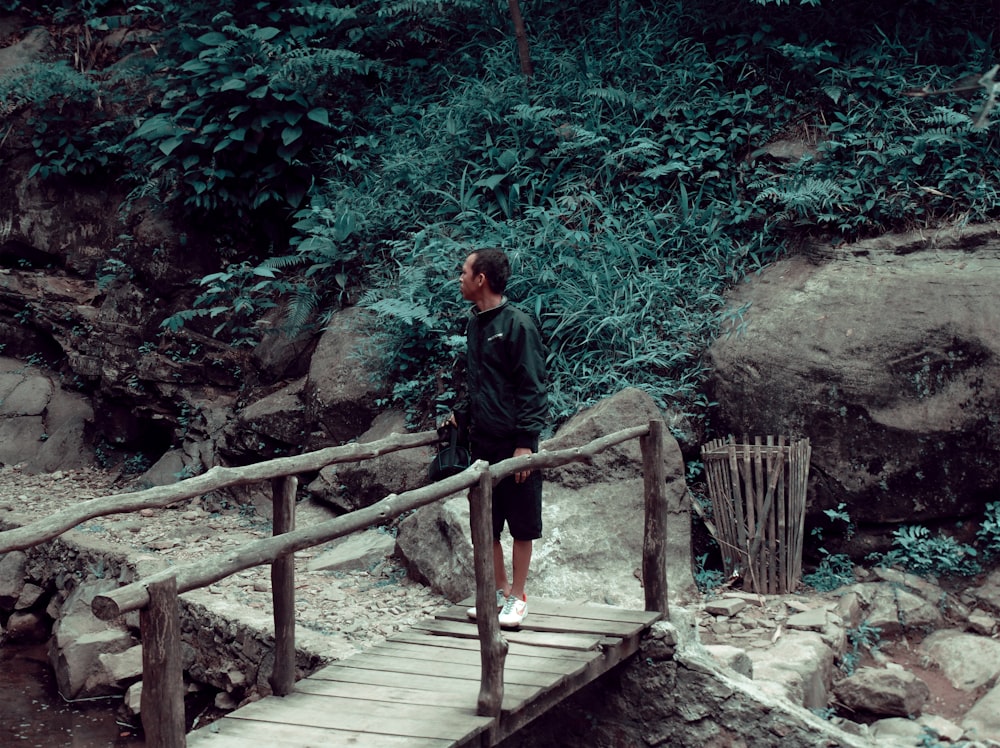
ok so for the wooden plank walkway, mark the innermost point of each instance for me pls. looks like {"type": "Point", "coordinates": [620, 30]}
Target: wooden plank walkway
{"type": "Point", "coordinates": [419, 688]}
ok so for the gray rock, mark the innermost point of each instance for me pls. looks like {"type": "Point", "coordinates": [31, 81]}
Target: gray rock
{"type": "Point", "coordinates": [982, 721]}
{"type": "Point", "coordinates": [30, 595]}
{"type": "Point", "coordinates": [165, 471]}
{"type": "Point", "coordinates": [13, 567]}
{"type": "Point", "coordinates": [435, 543]}
{"type": "Point", "coordinates": [889, 394]}
{"type": "Point", "coordinates": [41, 426]}
{"type": "Point", "coordinates": [967, 660]}
{"type": "Point", "coordinates": [354, 485]}
{"type": "Point", "coordinates": [809, 620]}
{"type": "Point", "coordinates": [341, 389]}
{"type": "Point", "coordinates": [732, 657]}
{"type": "Point", "coordinates": [78, 640]}
{"type": "Point", "coordinates": [981, 623]}
{"type": "Point", "coordinates": [124, 667]}
{"type": "Point", "coordinates": [890, 692]}
{"type": "Point", "coordinates": [133, 699]}
{"type": "Point", "coordinates": [893, 610]}
{"type": "Point", "coordinates": [898, 732]}
{"type": "Point", "coordinates": [801, 662]}
{"type": "Point", "coordinates": [78, 669]}
{"type": "Point", "coordinates": [280, 415]}
{"type": "Point", "coordinates": [988, 593]}
{"type": "Point", "coordinates": [941, 727]}
{"type": "Point", "coordinates": [27, 626]}
{"type": "Point", "coordinates": [725, 606]}
{"type": "Point", "coordinates": [358, 551]}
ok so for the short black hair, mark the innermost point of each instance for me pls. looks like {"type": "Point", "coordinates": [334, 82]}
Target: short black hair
{"type": "Point", "coordinates": [492, 263]}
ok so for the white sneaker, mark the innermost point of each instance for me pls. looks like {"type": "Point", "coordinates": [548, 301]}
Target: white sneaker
{"type": "Point", "coordinates": [501, 599]}
{"type": "Point", "coordinates": [514, 611]}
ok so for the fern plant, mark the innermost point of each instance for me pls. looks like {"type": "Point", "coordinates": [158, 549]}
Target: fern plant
{"type": "Point", "coordinates": [916, 550]}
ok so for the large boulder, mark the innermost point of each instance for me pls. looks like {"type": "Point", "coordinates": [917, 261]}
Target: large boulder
{"type": "Point", "coordinates": [79, 642]}
{"type": "Point", "coordinates": [342, 386]}
{"type": "Point", "coordinates": [42, 427]}
{"type": "Point", "coordinates": [885, 355]}
{"type": "Point", "coordinates": [593, 519]}
{"type": "Point", "coordinates": [435, 544]}
{"type": "Point", "coordinates": [890, 692]}
{"type": "Point", "coordinates": [348, 486]}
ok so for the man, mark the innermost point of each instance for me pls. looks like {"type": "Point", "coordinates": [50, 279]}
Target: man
{"type": "Point", "coordinates": [506, 412]}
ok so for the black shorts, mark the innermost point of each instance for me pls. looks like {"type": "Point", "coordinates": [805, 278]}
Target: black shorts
{"type": "Point", "coordinates": [518, 505]}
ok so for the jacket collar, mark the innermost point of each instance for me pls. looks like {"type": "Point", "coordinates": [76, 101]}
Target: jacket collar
{"type": "Point", "coordinates": [487, 313]}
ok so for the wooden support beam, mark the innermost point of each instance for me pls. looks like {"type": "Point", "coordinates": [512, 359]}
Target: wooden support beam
{"type": "Point", "coordinates": [162, 704]}
{"type": "Point", "coordinates": [283, 588]}
{"type": "Point", "coordinates": [654, 544]}
{"type": "Point", "coordinates": [492, 647]}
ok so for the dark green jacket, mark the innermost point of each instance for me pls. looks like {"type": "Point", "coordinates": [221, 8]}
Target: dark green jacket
{"type": "Point", "coordinates": [506, 378]}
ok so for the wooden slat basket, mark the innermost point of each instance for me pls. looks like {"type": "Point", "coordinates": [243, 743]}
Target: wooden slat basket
{"type": "Point", "coordinates": [758, 494]}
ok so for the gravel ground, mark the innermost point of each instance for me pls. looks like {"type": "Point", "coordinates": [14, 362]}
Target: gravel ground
{"type": "Point", "coordinates": [337, 611]}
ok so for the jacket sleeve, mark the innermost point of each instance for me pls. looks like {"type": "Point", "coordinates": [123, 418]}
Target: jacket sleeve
{"type": "Point", "coordinates": [531, 403]}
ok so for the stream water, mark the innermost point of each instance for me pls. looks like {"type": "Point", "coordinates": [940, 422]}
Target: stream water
{"type": "Point", "coordinates": [34, 715]}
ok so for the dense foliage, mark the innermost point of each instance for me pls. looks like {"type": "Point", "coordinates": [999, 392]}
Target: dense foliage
{"type": "Point", "coordinates": [356, 151]}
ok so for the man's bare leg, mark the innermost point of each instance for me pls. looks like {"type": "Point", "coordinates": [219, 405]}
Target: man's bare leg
{"type": "Point", "coordinates": [500, 568]}
{"type": "Point", "coordinates": [521, 562]}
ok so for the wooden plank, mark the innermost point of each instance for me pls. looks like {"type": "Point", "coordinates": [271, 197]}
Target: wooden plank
{"type": "Point", "coordinates": [431, 683]}
{"type": "Point", "coordinates": [580, 642]}
{"type": "Point", "coordinates": [552, 664]}
{"type": "Point", "coordinates": [512, 698]}
{"type": "Point", "coordinates": [447, 669]}
{"type": "Point", "coordinates": [240, 733]}
{"type": "Point", "coordinates": [419, 721]}
{"type": "Point", "coordinates": [516, 648]}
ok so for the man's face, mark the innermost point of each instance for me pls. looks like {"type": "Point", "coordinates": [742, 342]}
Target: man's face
{"type": "Point", "coordinates": [471, 284]}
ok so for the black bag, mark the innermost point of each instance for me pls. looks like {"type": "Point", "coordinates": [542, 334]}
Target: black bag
{"type": "Point", "coordinates": [451, 458]}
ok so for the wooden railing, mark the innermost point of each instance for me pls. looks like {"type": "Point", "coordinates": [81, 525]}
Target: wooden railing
{"type": "Point", "coordinates": [156, 597]}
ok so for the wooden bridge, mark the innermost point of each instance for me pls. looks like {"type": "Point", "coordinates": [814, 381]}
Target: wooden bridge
{"type": "Point", "coordinates": [447, 682]}
{"type": "Point", "coordinates": [420, 687]}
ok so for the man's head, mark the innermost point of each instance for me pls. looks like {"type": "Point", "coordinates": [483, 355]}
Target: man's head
{"type": "Point", "coordinates": [484, 273]}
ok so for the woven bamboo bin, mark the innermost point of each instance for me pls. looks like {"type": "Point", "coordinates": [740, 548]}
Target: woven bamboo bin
{"type": "Point", "coordinates": [758, 494]}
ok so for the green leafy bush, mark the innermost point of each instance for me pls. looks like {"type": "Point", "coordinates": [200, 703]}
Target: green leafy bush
{"type": "Point", "coordinates": [916, 550]}
{"type": "Point", "coordinates": [58, 104]}
{"type": "Point", "coordinates": [989, 531]}
{"type": "Point", "coordinates": [832, 572]}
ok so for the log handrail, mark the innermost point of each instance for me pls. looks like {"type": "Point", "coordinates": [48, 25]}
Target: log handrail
{"type": "Point", "coordinates": [204, 572]}
{"type": "Point", "coordinates": [159, 593]}
{"type": "Point", "coordinates": [212, 479]}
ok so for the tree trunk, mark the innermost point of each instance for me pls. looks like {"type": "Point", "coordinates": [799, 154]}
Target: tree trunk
{"type": "Point", "coordinates": [523, 53]}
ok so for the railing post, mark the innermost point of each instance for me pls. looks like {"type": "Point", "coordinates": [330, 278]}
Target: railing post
{"type": "Point", "coordinates": [283, 588]}
{"type": "Point", "coordinates": [162, 702]}
{"type": "Point", "coordinates": [654, 544]}
{"type": "Point", "coordinates": [492, 647]}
